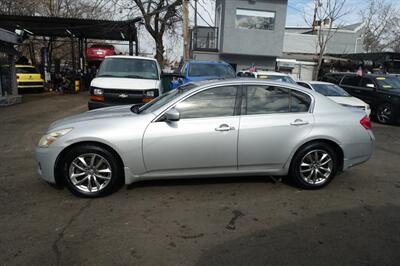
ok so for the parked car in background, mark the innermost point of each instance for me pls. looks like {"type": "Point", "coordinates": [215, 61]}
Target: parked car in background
{"type": "Point", "coordinates": [28, 78]}
{"type": "Point", "coordinates": [203, 70]}
{"type": "Point", "coordinates": [381, 92]}
{"type": "Point", "coordinates": [271, 75]}
{"type": "Point", "coordinates": [123, 79]}
{"type": "Point", "coordinates": [217, 128]}
{"type": "Point", "coordinates": [97, 52]}
{"type": "Point", "coordinates": [337, 94]}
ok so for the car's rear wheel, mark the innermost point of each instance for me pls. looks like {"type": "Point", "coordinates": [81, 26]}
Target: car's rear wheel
{"type": "Point", "coordinates": [91, 171]}
{"type": "Point", "coordinates": [314, 166]}
{"type": "Point", "coordinates": [385, 114]}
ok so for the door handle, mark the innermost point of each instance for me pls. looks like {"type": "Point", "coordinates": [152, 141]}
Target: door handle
{"type": "Point", "coordinates": [299, 122]}
{"type": "Point", "coordinates": [224, 127]}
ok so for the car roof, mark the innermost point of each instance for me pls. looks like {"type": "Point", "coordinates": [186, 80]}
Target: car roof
{"type": "Point", "coordinates": [131, 57]}
{"type": "Point", "coordinates": [311, 82]}
{"type": "Point", "coordinates": [207, 62]}
{"type": "Point", "coordinates": [265, 72]}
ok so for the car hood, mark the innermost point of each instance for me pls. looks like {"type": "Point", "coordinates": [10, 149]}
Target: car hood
{"type": "Point", "coordinates": [97, 114]}
{"type": "Point", "coordinates": [352, 101]}
{"type": "Point", "coordinates": [125, 83]}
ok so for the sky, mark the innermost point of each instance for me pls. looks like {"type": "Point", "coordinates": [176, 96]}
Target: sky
{"type": "Point", "coordinates": [298, 8]}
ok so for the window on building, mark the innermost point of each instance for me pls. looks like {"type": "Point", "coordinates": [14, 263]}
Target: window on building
{"type": "Point", "coordinates": [255, 19]}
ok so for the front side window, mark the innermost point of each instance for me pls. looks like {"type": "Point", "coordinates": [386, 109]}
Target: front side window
{"type": "Point", "coordinates": [213, 102]}
{"type": "Point", "coordinates": [128, 68]}
{"type": "Point", "coordinates": [255, 19]}
{"type": "Point", "coordinates": [351, 81]}
{"type": "Point", "coordinates": [271, 99]}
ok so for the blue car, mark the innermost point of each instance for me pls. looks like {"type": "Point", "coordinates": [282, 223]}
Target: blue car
{"type": "Point", "coordinates": [203, 70]}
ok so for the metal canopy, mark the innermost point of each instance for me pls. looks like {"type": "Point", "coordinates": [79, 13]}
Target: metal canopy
{"type": "Point", "coordinates": [72, 27]}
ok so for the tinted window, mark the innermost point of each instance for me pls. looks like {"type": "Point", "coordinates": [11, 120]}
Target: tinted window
{"type": "Point", "coordinates": [267, 100]}
{"type": "Point", "coordinates": [299, 102]}
{"type": "Point", "coordinates": [351, 80]}
{"type": "Point", "coordinates": [26, 70]}
{"type": "Point", "coordinates": [214, 102]}
{"type": "Point", "coordinates": [365, 81]}
{"type": "Point", "coordinates": [388, 82]}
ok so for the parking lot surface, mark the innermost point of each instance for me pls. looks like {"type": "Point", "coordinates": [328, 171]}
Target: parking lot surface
{"type": "Point", "coordinates": [228, 221]}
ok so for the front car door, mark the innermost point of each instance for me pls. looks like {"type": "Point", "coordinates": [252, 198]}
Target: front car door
{"type": "Point", "coordinates": [274, 120]}
{"type": "Point", "coordinates": [367, 91]}
{"type": "Point", "coordinates": [203, 141]}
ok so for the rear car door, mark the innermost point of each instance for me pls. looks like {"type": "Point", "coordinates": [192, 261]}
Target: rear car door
{"type": "Point", "coordinates": [274, 121]}
{"type": "Point", "coordinates": [203, 141]}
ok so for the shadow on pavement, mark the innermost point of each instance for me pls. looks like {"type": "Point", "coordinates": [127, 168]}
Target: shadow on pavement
{"type": "Point", "coordinates": [362, 236]}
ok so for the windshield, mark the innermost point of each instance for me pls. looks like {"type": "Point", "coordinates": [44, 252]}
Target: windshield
{"type": "Point", "coordinates": [128, 68]}
{"type": "Point", "coordinates": [211, 70]}
{"type": "Point", "coordinates": [165, 98]}
{"type": "Point", "coordinates": [388, 82]}
{"type": "Point", "coordinates": [330, 90]}
{"type": "Point", "coordinates": [286, 79]}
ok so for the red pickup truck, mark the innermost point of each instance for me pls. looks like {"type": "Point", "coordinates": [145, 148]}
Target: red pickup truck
{"type": "Point", "coordinates": [97, 52]}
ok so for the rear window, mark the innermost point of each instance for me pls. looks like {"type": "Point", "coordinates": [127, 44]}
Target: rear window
{"type": "Point", "coordinates": [105, 46]}
{"type": "Point", "coordinates": [26, 70]}
{"type": "Point", "coordinates": [211, 70]}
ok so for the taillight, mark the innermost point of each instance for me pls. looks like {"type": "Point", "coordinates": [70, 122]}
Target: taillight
{"type": "Point", "coordinates": [366, 122]}
{"type": "Point", "coordinates": [17, 76]}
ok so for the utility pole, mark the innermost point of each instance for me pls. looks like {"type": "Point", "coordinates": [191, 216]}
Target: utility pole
{"type": "Point", "coordinates": [185, 13]}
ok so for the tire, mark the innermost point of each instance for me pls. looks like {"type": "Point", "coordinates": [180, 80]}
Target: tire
{"type": "Point", "coordinates": [91, 171]}
{"type": "Point", "coordinates": [302, 169]}
{"type": "Point", "coordinates": [385, 114]}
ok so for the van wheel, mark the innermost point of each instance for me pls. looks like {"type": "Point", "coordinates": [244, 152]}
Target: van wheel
{"type": "Point", "coordinates": [385, 114]}
{"type": "Point", "coordinates": [314, 166]}
{"type": "Point", "coordinates": [91, 171]}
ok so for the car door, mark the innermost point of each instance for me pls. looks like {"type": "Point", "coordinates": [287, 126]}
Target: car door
{"type": "Point", "coordinates": [367, 91]}
{"type": "Point", "coordinates": [203, 141]}
{"type": "Point", "coordinates": [274, 121]}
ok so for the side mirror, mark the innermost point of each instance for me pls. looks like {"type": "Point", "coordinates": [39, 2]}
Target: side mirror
{"type": "Point", "coordinates": [370, 85]}
{"type": "Point", "coordinates": [172, 115]}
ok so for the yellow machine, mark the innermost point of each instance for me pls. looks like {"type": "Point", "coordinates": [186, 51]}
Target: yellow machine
{"type": "Point", "coordinates": [28, 78]}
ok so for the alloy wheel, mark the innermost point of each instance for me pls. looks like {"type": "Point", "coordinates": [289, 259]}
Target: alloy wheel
{"type": "Point", "coordinates": [90, 172]}
{"type": "Point", "coordinates": [316, 167]}
{"type": "Point", "coordinates": [384, 114]}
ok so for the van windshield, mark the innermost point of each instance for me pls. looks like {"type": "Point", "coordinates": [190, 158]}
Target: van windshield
{"type": "Point", "coordinates": [128, 68]}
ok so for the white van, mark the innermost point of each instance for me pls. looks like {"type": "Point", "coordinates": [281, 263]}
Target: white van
{"type": "Point", "coordinates": [125, 79]}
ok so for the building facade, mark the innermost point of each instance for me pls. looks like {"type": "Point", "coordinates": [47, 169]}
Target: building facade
{"type": "Point", "coordinates": [8, 83]}
{"type": "Point", "coordinates": [247, 33]}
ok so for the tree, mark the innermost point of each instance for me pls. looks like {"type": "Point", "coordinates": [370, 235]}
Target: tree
{"type": "Point", "coordinates": [379, 18]}
{"type": "Point", "coordinates": [327, 14]}
{"type": "Point", "coordinates": [160, 17]}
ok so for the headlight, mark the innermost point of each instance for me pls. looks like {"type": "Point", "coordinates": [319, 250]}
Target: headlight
{"type": "Point", "coordinates": [49, 138]}
{"type": "Point", "coordinates": [149, 93]}
{"type": "Point", "coordinates": [97, 91]}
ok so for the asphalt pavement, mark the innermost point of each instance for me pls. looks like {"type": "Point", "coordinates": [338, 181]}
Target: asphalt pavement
{"type": "Point", "coordinates": [226, 221]}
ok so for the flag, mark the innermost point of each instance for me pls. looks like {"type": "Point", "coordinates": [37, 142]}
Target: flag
{"type": "Point", "coordinates": [359, 71]}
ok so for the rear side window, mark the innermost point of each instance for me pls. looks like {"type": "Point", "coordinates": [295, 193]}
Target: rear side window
{"type": "Point", "coordinates": [305, 85]}
{"type": "Point", "coordinates": [271, 99]}
{"type": "Point", "coordinates": [351, 81]}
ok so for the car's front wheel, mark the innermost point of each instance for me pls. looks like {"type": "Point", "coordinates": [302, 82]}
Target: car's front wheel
{"type": "Point", "coordinates": [314, 166]}
{"type": "Point", "coordinates": [91, 171]}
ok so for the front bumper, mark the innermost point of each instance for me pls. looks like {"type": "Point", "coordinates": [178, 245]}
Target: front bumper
{"type": "Point", "coordinates": [47, 158]}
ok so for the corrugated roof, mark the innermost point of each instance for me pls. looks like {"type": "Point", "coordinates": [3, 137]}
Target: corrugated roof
{"type": "Point", "coordinates": [67, 27]}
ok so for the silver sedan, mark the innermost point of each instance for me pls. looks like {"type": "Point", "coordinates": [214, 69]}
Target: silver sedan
{"type": "Point", "coordinates": [207, 129]}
